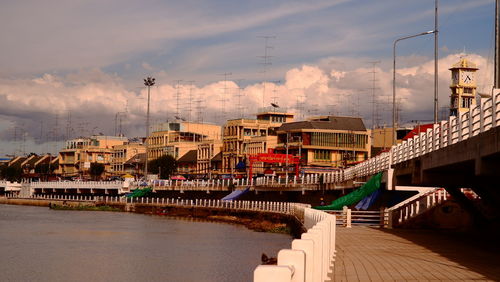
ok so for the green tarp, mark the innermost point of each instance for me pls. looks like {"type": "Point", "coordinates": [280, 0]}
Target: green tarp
{"type": "Point", "coordinates": [140, 193]}
{"type": "Point", "coordinates": [356, 195]}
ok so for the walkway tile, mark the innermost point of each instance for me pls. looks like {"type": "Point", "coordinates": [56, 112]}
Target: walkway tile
{"type": "Point", "coordinates": [372, 254]}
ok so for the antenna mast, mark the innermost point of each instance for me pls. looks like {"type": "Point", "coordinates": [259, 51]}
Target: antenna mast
{"type": "Point", "coordinates": [239, 95]}
{"type": "Point", "coordinates": [191, 87]}
{"type": "Point", "coordinates": [266, 62]}
{"type": "Point", "coordinates": [224, 95]}
{"type": "Point", "coordinates": [177, 97]}
{"type": "Point", "coordinates": [374, 81]}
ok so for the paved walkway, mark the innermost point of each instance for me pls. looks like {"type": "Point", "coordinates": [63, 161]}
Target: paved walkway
{"type": "Point", "coordinates": [372, 254]}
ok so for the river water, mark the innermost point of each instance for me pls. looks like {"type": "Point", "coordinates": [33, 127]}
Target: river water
{"type": "Point", "coordinates": [39, 244]}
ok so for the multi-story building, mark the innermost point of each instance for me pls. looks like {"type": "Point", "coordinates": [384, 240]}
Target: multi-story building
{"type": "Point", "coordinates": [78, 154]}
{"type": "Point", "coordinates": [242, 137]}
{"type": "Point", "coordinates": [329, 141]}
{"type": "Point", "coordinates": [178, 138]}
{"type": "Point", "coordinates": [207, 150]}
{"type": "Point", "coordinates": [123, 156]}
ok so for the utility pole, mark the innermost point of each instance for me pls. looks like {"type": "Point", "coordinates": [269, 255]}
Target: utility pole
{"type": "Point", "coordinates": [496, 83]}
{"type": "Point", "coordinates": [149, 81]}
{"type": "Point", "coordinates": [436, 101]}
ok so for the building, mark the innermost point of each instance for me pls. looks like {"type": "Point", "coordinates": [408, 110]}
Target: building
{"type": "Point", "coordinates": [207, 150]}
{"type": "Point", "coordinates": [187, 163]}
{"type": "Point", "coordinates": [178, 138]}
{"type": "Point", "coordinates": [79, 153]}
{"type": "Point", "coordinates": [463, 87]}
{"type": "Point", "coordinates": [242, 137]}
{"type": "Point", "coordinates": [328, 141]}
{"type": "Point", "coordinates": [126, 158]}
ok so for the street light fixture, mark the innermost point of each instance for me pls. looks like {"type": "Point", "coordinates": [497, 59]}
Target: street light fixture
{"type": "Point", "coordinates": [148, 81]}
{"type": "Point", "coordinates": [394, 80]}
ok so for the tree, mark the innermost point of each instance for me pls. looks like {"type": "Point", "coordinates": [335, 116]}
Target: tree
{"type": "Point", "coordinates": [95, 170]}
{"type": "Point", "coordinates": [11, 173]}
{"type": "Point", "coordinates": [165, 166]}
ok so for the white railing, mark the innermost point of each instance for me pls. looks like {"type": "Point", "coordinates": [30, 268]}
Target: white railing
{"type": "Point", "coordinates": [310, 258]}
{"type": "Point", "coordinates": [414, 206]}
{"type": "Point", "coordinates": [456, 129]}
{"type": "Point", "coordinates": [78, 185]}
{"type": "Point", "coordinates": [279, 207]}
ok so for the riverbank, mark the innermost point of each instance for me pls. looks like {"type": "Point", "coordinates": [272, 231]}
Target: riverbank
{"type": "Point", "coordinates": [260, 221]}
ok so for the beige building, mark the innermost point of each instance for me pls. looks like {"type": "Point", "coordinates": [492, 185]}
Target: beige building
{"type": "Point", "coordinates": [207, 150]}
{"type": "Point", "coordinates": [78, 154]}
{"type": "Point", "coordinates": [178, 138]}
{"type": "Point", "coordinates": [124, 154]}
{"type": "Point", "coordinates": [250, 136]}
{"type": "Point", "coordinates": [328, 141]}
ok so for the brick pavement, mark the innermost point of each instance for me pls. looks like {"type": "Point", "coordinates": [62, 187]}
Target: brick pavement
{"type": "Point", "coordinates": [373, 254]}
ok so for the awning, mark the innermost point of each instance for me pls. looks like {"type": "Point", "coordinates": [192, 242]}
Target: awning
{"type": "Point", "coordinates": [235, 194]}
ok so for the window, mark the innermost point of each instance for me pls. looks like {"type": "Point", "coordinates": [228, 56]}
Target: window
{"type": "Point", "coordinates": [322, 154]}
{"type": "Point", "coordinates": [467, 90]}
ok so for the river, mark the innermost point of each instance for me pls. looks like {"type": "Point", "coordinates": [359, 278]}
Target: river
{"type": "Point", "coordinates": [39, 244]}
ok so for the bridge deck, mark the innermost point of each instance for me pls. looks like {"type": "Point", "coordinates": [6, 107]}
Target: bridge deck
{"type": "Point", "coordinates": [372, 254]}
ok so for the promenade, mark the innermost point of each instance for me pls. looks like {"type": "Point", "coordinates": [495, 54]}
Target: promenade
{"type": "Point", "coordinates": [372, 254]}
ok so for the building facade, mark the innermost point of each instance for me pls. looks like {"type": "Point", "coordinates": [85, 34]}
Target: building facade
{"type": "Point", "coordinates": [78, 154]}
{"type": "Point", "coordinates": [178, 138]}
{"type": "Point", "coordinates": [123, 156]}
{"type": "Point", "coordinates": [242, 137]}
{"type": "Point", "coordinates": [206, 151]}
{"type": "Point", "coordinates": [328, 141]}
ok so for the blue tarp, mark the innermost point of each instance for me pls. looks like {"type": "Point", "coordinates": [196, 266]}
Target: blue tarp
{"type": "Point", "coordinates": [241, 165]}
{"type": "Point", "coordinates": [368, 201]}
{"type": "Point", "coordinates": [235, 194]}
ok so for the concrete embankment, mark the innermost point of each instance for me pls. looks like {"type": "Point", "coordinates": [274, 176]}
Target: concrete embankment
{"type": "Point", "coordinates": [256, 220]}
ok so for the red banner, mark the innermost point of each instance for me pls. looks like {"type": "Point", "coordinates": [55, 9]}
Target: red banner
{"type": "Point", "coordinates": [275, 158]}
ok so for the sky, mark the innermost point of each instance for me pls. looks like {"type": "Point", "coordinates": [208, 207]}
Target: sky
{"type": "Point", "coordinates": [76, 68]}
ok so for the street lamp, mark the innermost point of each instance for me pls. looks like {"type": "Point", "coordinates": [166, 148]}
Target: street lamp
{"type": "Point", "coordinates": [394, 80]}
{"type": "Point", "coordinates": [148, 81]}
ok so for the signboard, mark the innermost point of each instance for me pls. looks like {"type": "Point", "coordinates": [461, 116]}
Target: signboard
{"type": "Point", "coordinates": [86, 165]}
{"type": "Point", "coordinates": [274, 158]}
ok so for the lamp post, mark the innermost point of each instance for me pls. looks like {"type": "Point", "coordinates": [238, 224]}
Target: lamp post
{"type": "Point", "coordinates": [394, 80]}
{"type": "Point", "coordinates": [148, 81]}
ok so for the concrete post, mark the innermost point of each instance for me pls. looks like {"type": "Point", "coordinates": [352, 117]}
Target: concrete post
{"type": "Point", "coordinates": [316, 265]}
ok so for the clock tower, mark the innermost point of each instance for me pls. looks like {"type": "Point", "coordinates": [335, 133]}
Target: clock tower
{"type": "Point", "coordinates": [463, 87]}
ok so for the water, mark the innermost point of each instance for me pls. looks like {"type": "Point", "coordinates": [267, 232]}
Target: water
{"type": "Point", "coordinates": [39, 244]}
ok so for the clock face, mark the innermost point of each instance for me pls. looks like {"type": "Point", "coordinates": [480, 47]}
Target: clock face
{"type": "Point", "coordinates": [467, 77]}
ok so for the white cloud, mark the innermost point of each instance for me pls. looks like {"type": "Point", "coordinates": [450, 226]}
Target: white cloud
{"type": "Point", "coordinates": [94, 97]}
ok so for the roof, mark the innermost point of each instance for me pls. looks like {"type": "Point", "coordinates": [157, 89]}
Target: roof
{"type": "Point", "coordinates": [189, 157]}
{"type": "Point", "coordinates": [464, 64]}
{"type": "Point", "coordinates": [418, 129]}
{"type": "Point", "coordinates": [133, 160]}
{"type": "Point", "coordinates": [35, 159]}
{"type": "Point", "coordinates": [217, 157]}
{"type": "Point", "coordinates": [331, 123]}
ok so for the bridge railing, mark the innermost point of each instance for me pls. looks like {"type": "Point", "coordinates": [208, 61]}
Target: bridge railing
{"type": "Point", "coordinates": [456, 129]}
{"type": "Point", "coordinates": [310, 258]}
{"type": "Point", "coordinates": [414, 206]}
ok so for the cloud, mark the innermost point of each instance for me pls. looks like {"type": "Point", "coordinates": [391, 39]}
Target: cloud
{"type": "Point", "coordinates": [53, 107]}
